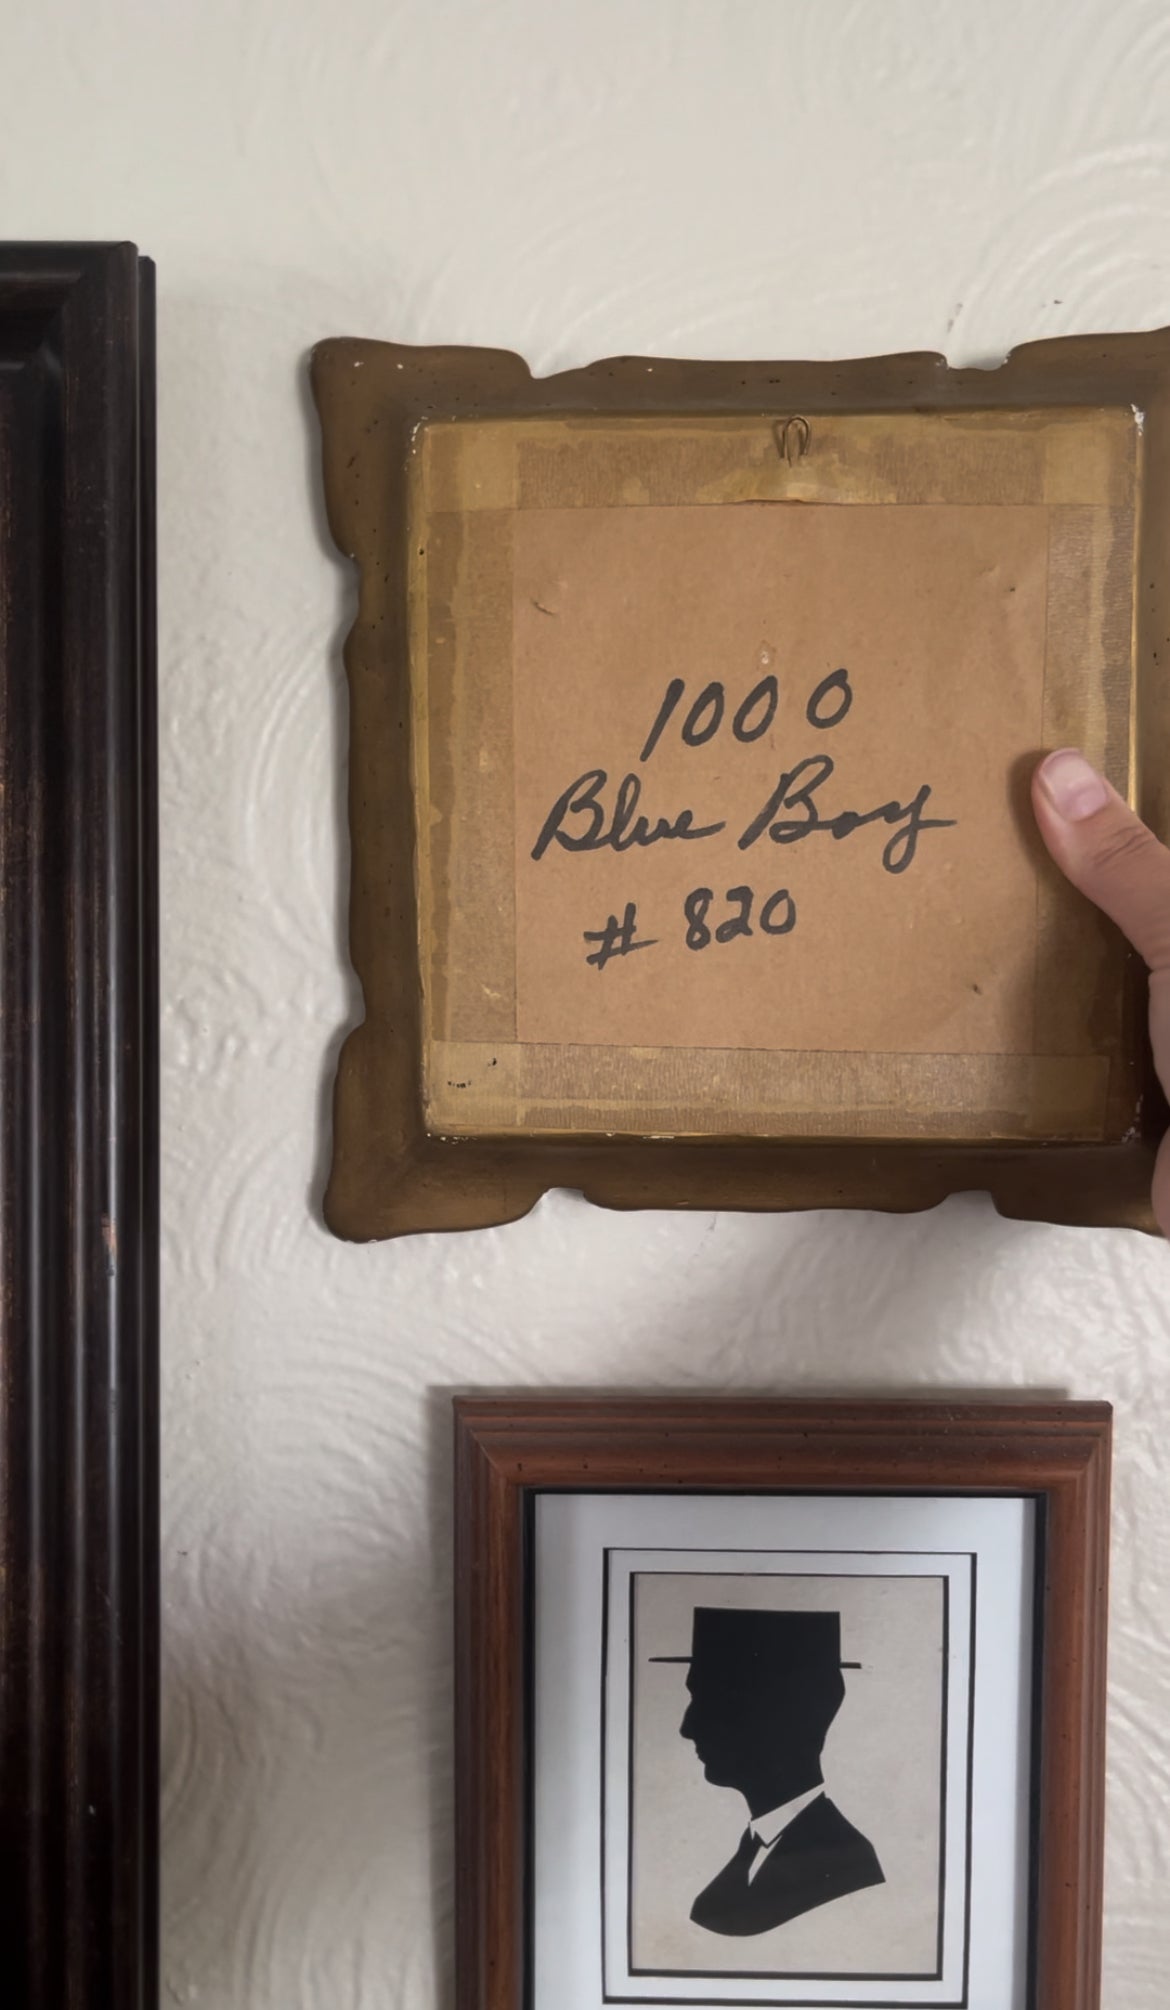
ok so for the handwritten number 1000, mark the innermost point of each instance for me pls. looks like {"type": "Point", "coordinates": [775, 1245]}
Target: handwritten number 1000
{"type": "Point", "coordinates": [827, 707]}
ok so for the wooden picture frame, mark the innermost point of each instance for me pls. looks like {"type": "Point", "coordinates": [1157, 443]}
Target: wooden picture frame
{"type": "Point", "coordinates": [79, 1137]}
{"type": "Point", "coordinates": [447, 1113]}
{"type": "Point", "coordinates": [514, 1453]}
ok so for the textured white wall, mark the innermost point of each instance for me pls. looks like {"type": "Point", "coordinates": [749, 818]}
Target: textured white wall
{"type": "Point", "coordinates": [758, 177]}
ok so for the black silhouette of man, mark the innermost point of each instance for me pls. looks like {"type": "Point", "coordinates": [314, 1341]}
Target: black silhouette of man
{"type": "Point", "coordinates": [764, 1689]}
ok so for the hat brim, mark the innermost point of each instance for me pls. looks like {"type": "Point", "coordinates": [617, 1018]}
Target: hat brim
{"type": "Point", "coordinates": [684, 1661]}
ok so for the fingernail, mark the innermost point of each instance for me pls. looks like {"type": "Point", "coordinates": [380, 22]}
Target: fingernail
{"type": "Point", "coordinates": [1073, 787]}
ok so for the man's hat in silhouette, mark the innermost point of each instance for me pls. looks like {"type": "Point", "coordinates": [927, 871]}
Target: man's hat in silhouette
{"type": "Point", "coordinates": [729, 1639]}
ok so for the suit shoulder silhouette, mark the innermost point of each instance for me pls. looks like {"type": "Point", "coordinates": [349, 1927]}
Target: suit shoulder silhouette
{"type": "Point", "coordinates": [819, 1857]}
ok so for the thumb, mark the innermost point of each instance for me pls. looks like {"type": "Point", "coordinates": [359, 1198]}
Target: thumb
{"type": "Point", "coordinates": [1106, 851]}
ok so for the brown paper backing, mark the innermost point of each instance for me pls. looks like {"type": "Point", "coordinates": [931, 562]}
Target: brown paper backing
{"type": "Point", "coordinates": [428, 1133]}
{"type": "Point", "coordinates": [1062, 1073]}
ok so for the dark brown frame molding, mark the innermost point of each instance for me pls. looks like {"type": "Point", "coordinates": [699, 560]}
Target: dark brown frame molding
{"type": "Point", "coordinates": [507, 1450]}
{"type": "Point", "coordinates": [78, 1130]}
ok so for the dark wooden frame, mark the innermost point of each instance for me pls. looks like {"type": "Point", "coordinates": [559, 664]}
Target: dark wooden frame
{"type": "Point", "coordinates": [390, 1174]}
{"type": "Point", "coordinates": [78, 1130]}
{"type": "Point", "coordinates": [507, 1450]}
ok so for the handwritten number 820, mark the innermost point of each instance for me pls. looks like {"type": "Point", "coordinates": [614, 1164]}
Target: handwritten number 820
{"type": "Point", "coordinates": [826, 707]}
{"type": "Point", "coordinates": [776, 917]}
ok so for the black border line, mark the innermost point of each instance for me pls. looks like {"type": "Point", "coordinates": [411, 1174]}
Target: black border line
{"type": "Point", "coordinates": [944, 1770]}
{"type": "Point", "coordinates": [820, 1976]}
{"type": "Point", "coordinates": [529, 1540]}
{"type": "Point", "coordinates": [604, 1753]}
{"type": "Point", "coordinates": [1040, 1538]}
{"type": "Point", "coordinates": [629, 1796]}
{"type": "Point", "coordinates": [971, 1772]}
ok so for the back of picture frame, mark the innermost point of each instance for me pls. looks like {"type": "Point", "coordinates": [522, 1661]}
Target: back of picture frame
{"type": "Point", "coordinates": [693, 709]}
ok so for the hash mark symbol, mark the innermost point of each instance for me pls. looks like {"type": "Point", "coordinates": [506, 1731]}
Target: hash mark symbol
{"type": "Point", "coordinates": [617, 938]}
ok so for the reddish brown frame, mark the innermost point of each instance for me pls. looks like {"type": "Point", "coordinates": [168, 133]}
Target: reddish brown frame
{"type": "Point", "coordinates": [507, 1450]}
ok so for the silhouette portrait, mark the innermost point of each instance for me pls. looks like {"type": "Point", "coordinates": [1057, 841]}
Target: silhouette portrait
{"type": "Point", "coordinates": [764, 1688]}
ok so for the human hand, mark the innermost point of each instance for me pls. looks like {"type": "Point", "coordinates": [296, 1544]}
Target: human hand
{"type": "Point", "coordinates": [1107, 851]}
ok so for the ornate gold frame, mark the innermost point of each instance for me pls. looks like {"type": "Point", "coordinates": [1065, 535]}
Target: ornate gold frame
{"type": "Point", "coordinates": [394, 1170]}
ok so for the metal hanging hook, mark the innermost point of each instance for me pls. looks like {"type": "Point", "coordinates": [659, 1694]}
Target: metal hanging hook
{"type": "Point", "coordinates": [792, 437]}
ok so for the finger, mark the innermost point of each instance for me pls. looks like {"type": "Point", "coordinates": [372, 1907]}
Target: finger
{"type": "Point", "coordinates": [1106, 851]}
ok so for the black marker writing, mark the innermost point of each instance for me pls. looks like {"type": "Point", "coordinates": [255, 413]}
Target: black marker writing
{"type": "Point", "coordinates": [830, 701]}
{"type": "Point", "coordinates": [581, 805]}
{"type": "Point", "coordinates": [776, 917]}
{"type": "Point", "coordinates": [617, 938]}
{"type": "Point", "coordinates": [796, 789]}
{"type": "Point", "coordinates": [671, 696]}
{"type": "Point", "coordinates": [753, 716]}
